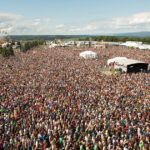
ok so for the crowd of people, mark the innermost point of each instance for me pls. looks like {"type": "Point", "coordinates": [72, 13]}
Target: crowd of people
{"type": "Point", "coordinates": [51, 99]}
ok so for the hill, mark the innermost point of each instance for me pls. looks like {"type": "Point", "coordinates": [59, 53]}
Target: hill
{"type": "Point", "coordinates": [135, 34]}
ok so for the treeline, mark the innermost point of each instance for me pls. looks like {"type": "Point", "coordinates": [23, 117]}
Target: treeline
{"type": "Point", "coordinates": [44, 37]}
{"type": "Point", "coordinates": [145, 40]}
{"type": "Point", "coordinates": [7, 50]}
{"type": "Point", "coordinates": [25, 46]}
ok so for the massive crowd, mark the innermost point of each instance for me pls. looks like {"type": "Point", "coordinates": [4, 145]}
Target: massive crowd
{"type": "Point", "coordinates": [50, 99]}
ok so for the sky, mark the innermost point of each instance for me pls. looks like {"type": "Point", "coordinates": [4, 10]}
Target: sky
{"type": "Point", "coordinates": [72, 17]}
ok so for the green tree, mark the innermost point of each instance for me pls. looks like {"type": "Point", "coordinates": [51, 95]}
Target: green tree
{"type": "Point", "coordinates": [7, 51]}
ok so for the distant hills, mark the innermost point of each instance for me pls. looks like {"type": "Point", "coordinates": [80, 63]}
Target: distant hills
{"type": "Point", "coordinates": [145, 34]}
{"type": "Point", "coordinates": [44, 37]}
{"type": "Point", "coordinates": [134, 34]}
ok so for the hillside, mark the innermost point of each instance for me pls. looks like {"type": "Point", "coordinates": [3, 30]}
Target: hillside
{"type": "Point", "coordinates": [135, 34]}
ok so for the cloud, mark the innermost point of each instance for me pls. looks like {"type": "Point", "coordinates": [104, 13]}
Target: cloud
{"type": "Point", "coordinates": [135, 22]}
{"type": "Point", "coordinates": [7, 22]}
{"type": "Point", "coordinates": [60, 28]}
{"type": "Point", "coordinates": [5, 30]}
{"type": "Point", "coordinates": [17, 24]}
{"type": "Point", "coordinates": [6, 17]}
{"type": "Point", "coordinates": [91, 27]}
{"type": "Point", "coordinates": [87, 28]}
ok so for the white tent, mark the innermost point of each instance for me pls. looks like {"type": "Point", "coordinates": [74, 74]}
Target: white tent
{"type": "Point", "coordinates": [109, 61]}
{"type": "Point", "coordinates": [144, 46]}
{"type": "Point", "coordinates": [131, 44]}
{"type": "Point", "coordinates": [5, 44]}
{"type": "Point", "coordinates": [88, 54]}
{"type": "Point", "coordinates": [130, 65]}
{"type": "Point", "coordinates": [136, 44]}
{"type": "Point", "coordinates": [53, 45]}
{"type": "Point", "coordinates": [80, 43]}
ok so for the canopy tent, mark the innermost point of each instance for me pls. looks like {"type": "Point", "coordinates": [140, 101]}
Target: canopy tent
{"type": "Point", "coordinates": [130, 65]}
{"type": "Point", "coordinates": [132, 44]}
{"type": "Point", "coordinates": [113, 60]}
{"type": "Point", "coordinates": [135, 44]}
{"type": "Point", "coordinates": [144, 47]}
{"type": "Point", "coordinates": [88, 54]}
{"type": "Point", "coordinates": [53, 45]}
